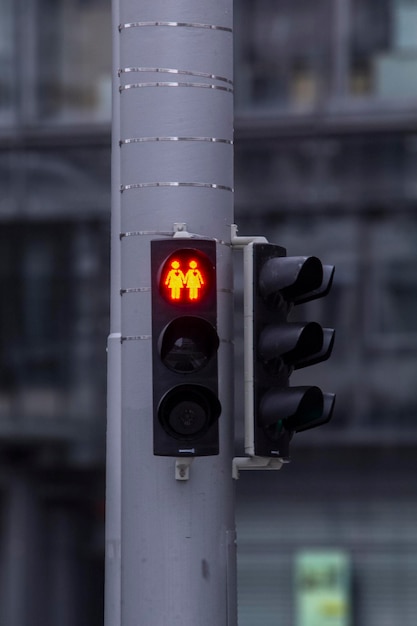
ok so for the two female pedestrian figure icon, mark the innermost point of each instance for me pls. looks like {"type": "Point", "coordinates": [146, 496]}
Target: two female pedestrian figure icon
{"type": "Point", "coordinates": [191, 281]}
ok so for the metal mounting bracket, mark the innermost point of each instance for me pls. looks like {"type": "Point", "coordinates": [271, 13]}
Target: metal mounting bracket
{"type": "Point", "coordinates": [180, 230]}
{"type": "Point", "coordinates": [241, 242]}
{"type": "Point", "coordinates": [255, 463]}
{"type": "Point", "coordinates": [182, 468]}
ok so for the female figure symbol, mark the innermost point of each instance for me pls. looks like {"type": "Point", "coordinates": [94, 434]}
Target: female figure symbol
{"type": "Point", "coordinates": [175, 280]}
{"type": "Point", "coordinates": [193, 281]}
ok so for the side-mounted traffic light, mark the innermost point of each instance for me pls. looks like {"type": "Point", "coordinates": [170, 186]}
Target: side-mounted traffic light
{"type": "Point", "coordinates": [275, 347]}
{"type": "Point", "coordinates": [184, 347]}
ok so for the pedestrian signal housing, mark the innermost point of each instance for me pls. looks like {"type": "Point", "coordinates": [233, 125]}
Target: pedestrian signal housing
{"type": "Point", "coordinates": [186, 407]}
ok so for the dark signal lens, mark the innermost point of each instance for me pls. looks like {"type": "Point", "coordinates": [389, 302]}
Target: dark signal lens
{"type": "Point", "coordinates": [187, 411]}
{"type": "Point", "coordinates": [187, 344]}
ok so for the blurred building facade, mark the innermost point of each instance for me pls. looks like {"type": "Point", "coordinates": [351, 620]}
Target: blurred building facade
{"type": "Point", "coordinates": [326, 155]}
{"type": "Point", "coordinates": [326, 111]}
{"type": "Point", "coordinates": [54, 246]}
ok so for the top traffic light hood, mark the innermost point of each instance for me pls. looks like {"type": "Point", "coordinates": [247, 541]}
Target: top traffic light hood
{"type": "Point", "coordinates": [290, 277]}
{"type": "Point", "coordinates": [322, 290]}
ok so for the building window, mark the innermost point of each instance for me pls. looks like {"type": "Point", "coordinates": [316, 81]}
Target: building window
{"type": "Point", "coordinates": [397, 304]}
{"type": "Point", "coordinates": [7, 61]}
{"type": "Point", "coordinates": [54, 319]}
{"type": "Point", "coordinates": [74, 60]}
{"type": "Point", "coordinates": [391, 284]}
{"type": "Point", "coordinates": [383, 50]}
{"type": "Point", "coordinates": [285, 51]}
{"type": "Point", "coordinates": [353, 54]}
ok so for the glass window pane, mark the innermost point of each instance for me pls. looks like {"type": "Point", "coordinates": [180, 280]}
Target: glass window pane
{"type": "Point", "coordinates": [6, 60]}
{"type": "Point", "coordinates": [283, 52]}
{"type": "Point", "coordinates": [383, 56]}
{"type": "Point", "coordinates": [54, 324]}
{"type": "Point", "coordinates": [74, 64]}
{"type": "Point", "coordinates": [394, 282]}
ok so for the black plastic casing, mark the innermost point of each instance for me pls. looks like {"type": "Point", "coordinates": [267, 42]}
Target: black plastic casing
{"type": "Point", "coordinates": [185, 401]}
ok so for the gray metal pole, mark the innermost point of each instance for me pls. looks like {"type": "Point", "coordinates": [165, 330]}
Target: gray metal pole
{"type": "Point", "coordinates": [112, 591]}
{"type": "Point", "coordinates": [170, 545]}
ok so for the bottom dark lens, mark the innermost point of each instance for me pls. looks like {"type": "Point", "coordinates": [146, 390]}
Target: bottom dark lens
{"type": "Point", "coordinates": [187, 411]}
{"type": "Point", "coordinates": [275, 431]}
{"type": "Point", "coordinates": [188, 418]}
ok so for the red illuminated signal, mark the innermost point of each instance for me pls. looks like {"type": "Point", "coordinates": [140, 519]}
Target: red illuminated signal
{"type": "Point", "coordinates": [186, 276]}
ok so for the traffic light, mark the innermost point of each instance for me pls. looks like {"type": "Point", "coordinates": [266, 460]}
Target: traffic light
{"type": "Point", "coordinates": [276, 346]}
{"type": "Point", "coordinates": [186, 407]}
